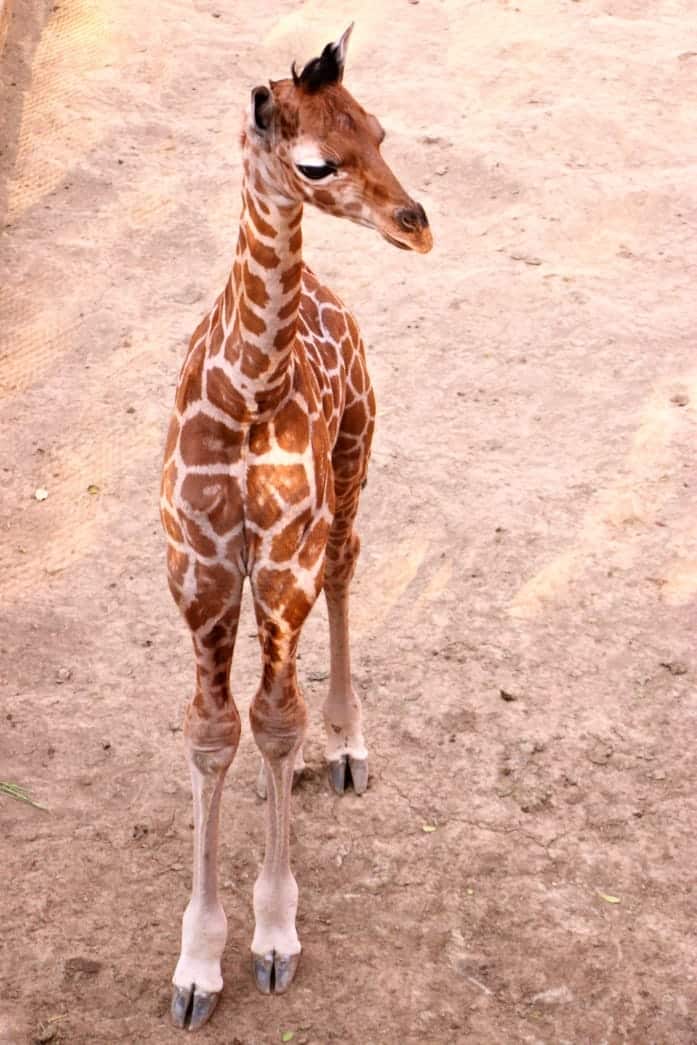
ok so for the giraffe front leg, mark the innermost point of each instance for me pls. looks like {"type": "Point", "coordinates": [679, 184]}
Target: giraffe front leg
{"type": "Point", "coordinates": [212, 732]}
{"type": "Point", "coordinates": [262, 787]}
{"type": "Point", "coordinates": [275, 946]}
{"type": "Point", "coordinates": [346, 753]}
{"type": "Point", "coordinates": [198, 978]}
{"type": "Point", "coordinates": [278, 717]}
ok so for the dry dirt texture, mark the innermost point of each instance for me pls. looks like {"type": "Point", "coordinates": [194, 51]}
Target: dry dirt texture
{"type": "Point", "coordinates": [522, 868]}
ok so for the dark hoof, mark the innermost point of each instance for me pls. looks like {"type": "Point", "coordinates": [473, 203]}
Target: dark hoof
{"type": "Point", "coordinates": [273, 973]}
{"type": "Point", "coordinates": [346, 772]}
{"type": "Point", "coordinates": [190, 1008]}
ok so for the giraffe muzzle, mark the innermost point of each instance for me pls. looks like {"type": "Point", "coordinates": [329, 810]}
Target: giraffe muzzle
{"type": "Point", "coordinates": [411, 230]}
{"type": "Point", "coordinates": [411, 219]}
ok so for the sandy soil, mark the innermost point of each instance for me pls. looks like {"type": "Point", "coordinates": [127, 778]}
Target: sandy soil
{"type": "Point", "coordinates": [522, 868]}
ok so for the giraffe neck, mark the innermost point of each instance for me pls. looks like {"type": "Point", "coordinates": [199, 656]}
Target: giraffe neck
{"type": "Point", "coordinates": [262, 296]}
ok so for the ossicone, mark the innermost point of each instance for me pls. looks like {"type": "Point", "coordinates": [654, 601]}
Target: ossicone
{"type": "Point", "coordinates": [325, 70]}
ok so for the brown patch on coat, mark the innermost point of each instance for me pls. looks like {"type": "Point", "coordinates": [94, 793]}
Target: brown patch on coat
{"type": "Point", "coordinates": [254, 361]}
{"type": "Point", "coordinates": [169, 480]}
{"type": "Point", "coordinates": [214, 584]}
{"type": "Point", "coordinates": [218, 497]}
{"type": "Point", "coordinates": [263, 255]}
{"type": "Point", "coordinates": [196, 538]}
{"type": "Point", "coordinates": [314, 545]}
{"type": "Point", "coordinates": [172, 435]}
{"type": "Point", "coordinates": [320, 454]}
{"type": "Point", "coordinates": [260, 438]}
{"type": "Point", "coordinates": [278, 589]}
{"type": "Point", "coordinates": [291, 277]}
{"type": "Point", "coordinates": [216, 340]}
{"type": "Point", "coordinates": [290, 308]}
{"type": "Point", "coordinates": [358, 376]}
{"type": "Point", "coordinates": [261, 226]}
{"type": "Point", "coordinates": [295, 242]}
{"type": "Point", "coordinates": [266, 482]}
{"type": "Point", "coordinates": [207, 441]}
{"type": "Point", "coordinates": [309, 310]}
{"type": "Point", "coordinates": [286, 543]}
{"type": "Point", "coordinates": [334, 323]}
{"type": "Point", "coordinates": [177, 565]}
{"type": "Point", "coordinates": [355, 418]}
{"type": "Point", "coordinates": [250, 319]}
{"type": "Point", "coordinates": [254, 287]}
{"type": "Point", "coordinates": [189, 388]}
{"type": "Point", "coordinates": [171, 526]}
{"type": "Point", "coordinates": [324, 197]}
{"type": "Point", "coordinates": [284, 337]}
{"type": "Point", "coordinates": [292, 428]}
{"type": "Point", "coordinates": [223, 394]}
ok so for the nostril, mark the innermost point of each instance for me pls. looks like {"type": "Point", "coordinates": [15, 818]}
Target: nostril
{"type": "Point", "coordinates": [407, 218]}
{"type": "Point", "coordinates": [411, 218]}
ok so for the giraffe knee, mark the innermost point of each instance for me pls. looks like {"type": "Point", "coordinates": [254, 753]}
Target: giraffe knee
{"type": "Point", "coordinates": [211, 761]}
{"type": "Point", "coordinates": [278, 723]}
{"type": "Point", "coordinates": [353, 546]}
{"type": "Point", "coordinates": [212, 728]}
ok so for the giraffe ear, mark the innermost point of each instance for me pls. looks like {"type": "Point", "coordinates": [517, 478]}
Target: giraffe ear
{"type": "Point", "coordinates": [262, 108]}
{"type": "Point", "coordinates": [340, 48]}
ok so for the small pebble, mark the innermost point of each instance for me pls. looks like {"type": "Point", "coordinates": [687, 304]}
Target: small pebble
{"type": "Point", "coordinates": [675, 667]}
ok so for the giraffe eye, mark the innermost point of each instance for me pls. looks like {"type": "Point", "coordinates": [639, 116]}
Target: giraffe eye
{"type": "Point", "coordinates": [317, 173]}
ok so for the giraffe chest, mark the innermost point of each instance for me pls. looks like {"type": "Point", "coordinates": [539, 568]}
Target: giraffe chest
{"type": "Point", "coordinates": [288, 483]}
{"type": "Point", "coordinates": [256, 493]}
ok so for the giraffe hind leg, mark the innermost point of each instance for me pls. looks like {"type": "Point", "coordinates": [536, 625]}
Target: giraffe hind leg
{"type": "Point", "coordinates": [278, 717]}
{"type": "Point", "coordinates": [346, 752]}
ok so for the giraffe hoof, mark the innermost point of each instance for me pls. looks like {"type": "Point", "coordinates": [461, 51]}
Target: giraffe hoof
{"type": "Point", "coordinates": [190, 1008]}
{"type": "Point", "coordinates": [359, 774]}
{"type": "Point", "coordinates": [346, 772]}
{"type": "Point", "coordinates": [273, 973]}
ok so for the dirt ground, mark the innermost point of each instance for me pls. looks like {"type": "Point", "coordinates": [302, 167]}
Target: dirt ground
{"type": "Point", "coordinates": [522, 868]}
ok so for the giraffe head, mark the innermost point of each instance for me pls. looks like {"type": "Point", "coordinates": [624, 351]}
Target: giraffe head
{"type": "Point", "coordinates": [314, 143]}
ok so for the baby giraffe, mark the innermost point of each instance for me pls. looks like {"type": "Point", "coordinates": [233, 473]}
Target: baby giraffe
{"type": "Point", "coordinates": [266, 455]}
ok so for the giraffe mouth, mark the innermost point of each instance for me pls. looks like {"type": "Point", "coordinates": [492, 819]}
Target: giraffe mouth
{"type": "Point", "coordinates": [395, 242]}
{"type": "Point", "coordinates": [421, 243]}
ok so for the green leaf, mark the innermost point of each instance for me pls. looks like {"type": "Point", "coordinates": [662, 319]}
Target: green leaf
{"type": "Point", "coordinates": [287, 1035]}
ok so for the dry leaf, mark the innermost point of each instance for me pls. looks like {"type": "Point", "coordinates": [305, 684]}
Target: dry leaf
{"type": "Point", "coordinates": [428, 828]}
{"type": "Point", "coordinates": [609, 899]}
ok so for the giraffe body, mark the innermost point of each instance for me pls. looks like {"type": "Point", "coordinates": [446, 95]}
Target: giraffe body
{"type": "Point", "coordinates": [266, 456]}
